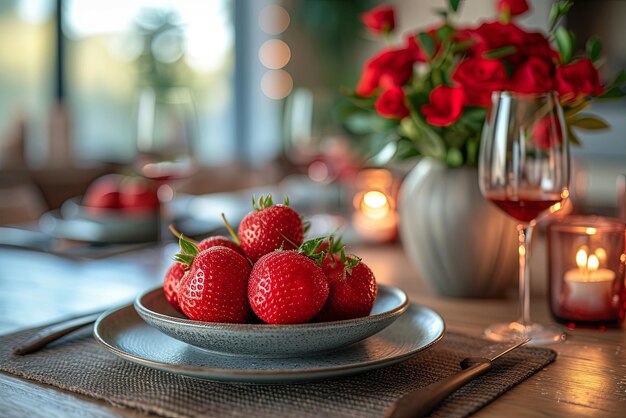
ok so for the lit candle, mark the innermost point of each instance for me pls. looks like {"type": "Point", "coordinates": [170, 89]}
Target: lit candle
{"type": "Point", "coordinates": [589, 288]}
{"type": "Point", "coordinates": [374, 219]}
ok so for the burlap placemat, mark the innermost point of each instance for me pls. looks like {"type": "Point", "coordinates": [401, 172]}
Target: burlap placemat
{"type": "Point", "coordinates": [78, 364]}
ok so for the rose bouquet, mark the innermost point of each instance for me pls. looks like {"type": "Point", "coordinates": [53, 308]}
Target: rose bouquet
{"type": "Point", "coordinates": [431, 94]}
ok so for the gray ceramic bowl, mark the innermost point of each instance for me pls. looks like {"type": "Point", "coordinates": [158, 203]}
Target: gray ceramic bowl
{"type": "Point", "coordinates": [264, 340]}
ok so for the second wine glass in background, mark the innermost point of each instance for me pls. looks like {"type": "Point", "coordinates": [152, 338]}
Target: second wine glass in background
{"type": "Point", "coordinates": [166, 129]}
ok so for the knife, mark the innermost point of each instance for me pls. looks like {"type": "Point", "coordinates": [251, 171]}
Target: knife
{"type": "Point", "coordinates": [54, 331]}
{"type": "Point", "coordinates": [422, 401]}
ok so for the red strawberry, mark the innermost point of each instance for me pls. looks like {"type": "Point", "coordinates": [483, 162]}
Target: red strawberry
{"type": "Point", "coordinates": [353, 287]}
{"type": "Point", "coordinates": [269, 227]}
{"type": "Point", "coordinates": [170, 284]}
{"type": "Point", "coordinates": [219, 240]}
{"type": "Point", "coordinates": [215, 289]}
{"type": "Point", "coordinates": [287, 287]}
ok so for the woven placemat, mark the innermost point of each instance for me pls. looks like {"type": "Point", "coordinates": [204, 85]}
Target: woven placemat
{"type": "Point", "coordinates": [78, 364]}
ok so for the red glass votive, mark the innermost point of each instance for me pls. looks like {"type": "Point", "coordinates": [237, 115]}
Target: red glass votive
{"type": "Point", "coordinates": [586, 267]}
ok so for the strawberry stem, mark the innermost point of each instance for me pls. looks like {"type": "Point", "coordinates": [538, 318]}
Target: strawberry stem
{"type": "Point", "coordinates": [230, 229]}
{"type": "Point", "coordinates": [177, 234]}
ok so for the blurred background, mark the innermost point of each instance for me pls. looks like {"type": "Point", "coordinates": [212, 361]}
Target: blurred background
{"type": "Point", "coordinates": [266, 80]}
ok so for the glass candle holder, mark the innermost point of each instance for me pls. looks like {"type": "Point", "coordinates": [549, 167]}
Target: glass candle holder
{"type": "Point", "coordinates": [375, 216]}
{"type": "Point", "coordinates": [586, 262]}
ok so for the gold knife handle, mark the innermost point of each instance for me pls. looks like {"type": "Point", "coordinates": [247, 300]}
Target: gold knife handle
{"type": "Point", "coordinates": [422, 401]}
{"type": "Point", "coordinates": [53, 332]}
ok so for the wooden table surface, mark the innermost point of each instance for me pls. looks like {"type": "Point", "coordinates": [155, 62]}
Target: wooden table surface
{"type": "Point", "coordinates": [587, 379]}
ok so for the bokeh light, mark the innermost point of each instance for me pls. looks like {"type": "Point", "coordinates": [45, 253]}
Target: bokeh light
{"type": "Point", "coordinates": [276, 84]}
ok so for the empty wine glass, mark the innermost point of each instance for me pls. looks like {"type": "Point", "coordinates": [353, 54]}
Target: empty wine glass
{"type": "Point", "coordinates": [523, 170]}
{"type": "Point", "coordinates": [166, 127]}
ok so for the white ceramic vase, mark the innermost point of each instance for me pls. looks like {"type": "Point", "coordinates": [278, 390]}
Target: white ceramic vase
{"type": "Point", "coordinates": [460, 244]}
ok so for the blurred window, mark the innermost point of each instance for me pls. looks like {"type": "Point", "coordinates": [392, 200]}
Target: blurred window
{"type": "Point", "coordinates": [114, 47]}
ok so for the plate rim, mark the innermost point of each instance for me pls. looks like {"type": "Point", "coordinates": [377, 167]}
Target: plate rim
{"type": "Point", "coordinates": [228, 375]}
{"type": "Point", "coordinates": [396, 311]}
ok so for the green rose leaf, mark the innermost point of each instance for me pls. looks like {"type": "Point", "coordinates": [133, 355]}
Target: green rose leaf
{"type": "Point", "coordinates": [445, 32]}
{"type": "Point", "coordinates": [427, 142]}
{"type": "Point", "coordinates": [565, 43]}
{"type": "Point", "coordinates": [500, 52]}
{"type": "Point", "coordinates": [427, 43]}
{"type": "Point", "coordinates": [573, 138]}
{"type": "Point", "coordinates": [612, 93]}
{"type": "Point", "coordinates": [454, 158]}
{"type": "Point", "coordinates": [594, 48]}
{"type": "Point", "coordinates": [589, 123]}
{"type": "Point", "coordinates": [454, 4]}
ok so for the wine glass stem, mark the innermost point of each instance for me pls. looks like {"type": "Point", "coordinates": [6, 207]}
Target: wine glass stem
{"type": "Point", "coordinates": [524, 236]}
{"type": "Point", "coordinates": [165, 194]}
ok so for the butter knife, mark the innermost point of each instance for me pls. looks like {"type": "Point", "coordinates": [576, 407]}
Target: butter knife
{"type": "Point", "coordinates": [422, 401]}
{"type": "Point", "coordinates": [55, 331]}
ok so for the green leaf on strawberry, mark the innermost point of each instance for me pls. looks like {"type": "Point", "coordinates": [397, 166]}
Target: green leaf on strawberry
{"type": "Point", "coordinates": [311, 248]}
{"type": "Point", "coordinates": [189, 251]}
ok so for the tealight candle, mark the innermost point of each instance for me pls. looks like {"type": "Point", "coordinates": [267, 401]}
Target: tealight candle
{"type": "Point", "coordinates": [587, 263]}
{"type": "Point", "coordinates": [589, 287]}
{"type": "Point", "coordinates": [375, 218]}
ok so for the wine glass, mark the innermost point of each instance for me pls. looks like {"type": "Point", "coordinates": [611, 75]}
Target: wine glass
{"type": "Point", "coordinates": [524, 169]}
{"type": "Point", "coordinates": [166, 127]}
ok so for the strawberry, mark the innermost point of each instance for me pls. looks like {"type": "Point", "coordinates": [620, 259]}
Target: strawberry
{"type": "Point", "coordinates": [352, 284]}
{"type": "Point", "coordinates": [219, 240]}
{"type": "Point", "coordinates": [269, 227]}
{"type": "Point", "coordinates": [177, 270]}
{"type": "Point", "coordinates": [215, 287]}
{"type": "Point", "coordinates": [287, 286]}
{"type": "Point", "coordinates": [170, 284]}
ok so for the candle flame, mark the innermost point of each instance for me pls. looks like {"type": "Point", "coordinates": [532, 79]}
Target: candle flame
{"type": "Point", "coordinates": [588, 263]}
{"type": "Point", "coordinates": [593, 263]}
{"type": "Point", "coordinates": [581, 258]}
{"type": "Point", "coordinates": [375, 204]}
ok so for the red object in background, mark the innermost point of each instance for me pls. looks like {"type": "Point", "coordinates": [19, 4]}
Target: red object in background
{"type": "Point", "coordinates": [138, 195]}
{"type": "Point", "coordinates": [118, 192]}
{"type": "Point", "coordinates": [104, 193]}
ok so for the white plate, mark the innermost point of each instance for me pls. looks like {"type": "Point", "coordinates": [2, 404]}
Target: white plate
{"type": "Point", "coordinates": [264, 340]}
{"type": "Point", "coordinates": [125, 334]}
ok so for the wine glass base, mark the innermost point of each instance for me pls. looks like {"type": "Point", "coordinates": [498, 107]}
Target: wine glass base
{"type": "Point", "coordinates": [515, 331]}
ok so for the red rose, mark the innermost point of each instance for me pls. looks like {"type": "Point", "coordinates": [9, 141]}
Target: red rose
{"type": "Point", "coordinates": [380, 19]}
{"type": "Point", "coordinates": [390, 103]}
{"type": "Point", "coordinates": [512, 7]}
{"type": "Point", "coordinates": [547, 132]}
{"type": "Point", "coordinates": [533, 76]}
{"type": "Point", "coordinates": [495, 35]}
{"type": "Point", "coordinates": [537, 45]}
{"type": "Point", "coordinates": [390, 67]}
{"type": "Point", "coordinates": [479, 77]}
{"type": "Point", "coordinates": [445, 107]}
{"type": "Point", "coordinates": [577, 79]}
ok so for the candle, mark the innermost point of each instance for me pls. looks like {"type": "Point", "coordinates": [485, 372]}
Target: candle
{"type": "Point", "coordinates": [375, 218]}
{"type": "Point", "coordinates": [589, 288]}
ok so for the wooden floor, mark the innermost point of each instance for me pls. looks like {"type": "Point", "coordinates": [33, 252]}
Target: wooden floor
{"type": "Point", "coordinates": [588, 379]}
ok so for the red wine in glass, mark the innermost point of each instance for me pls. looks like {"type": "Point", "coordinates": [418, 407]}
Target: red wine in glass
{"type": "Point", "coordinates": [524, 207]}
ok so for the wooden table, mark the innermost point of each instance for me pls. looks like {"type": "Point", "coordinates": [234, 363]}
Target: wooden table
{"type": "Point", "coordinates": [587, 379]}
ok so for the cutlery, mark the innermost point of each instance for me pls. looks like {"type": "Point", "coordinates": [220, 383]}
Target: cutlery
{"type": "Point", "coordinates": [55, 331]}
{"type": "Point", "coordinates": [422, 401]}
